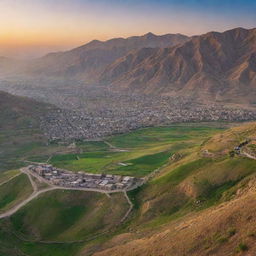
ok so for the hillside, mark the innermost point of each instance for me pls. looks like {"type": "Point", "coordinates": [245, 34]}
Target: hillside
{"type": "Point", "coordinates": [20, 132]}
{"type": "Point", "coordinates": [20, 112]}
{"type": "Point", "coordinates": [220, 66]}
{"type": "Point", "coordinates": [198, 205]}
{"type": "Point", "coordinates": [199, 202]}
{"type": "Point", "coordinates": [88, 61]}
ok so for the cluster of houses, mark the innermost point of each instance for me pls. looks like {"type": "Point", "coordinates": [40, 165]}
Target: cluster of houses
{"type": "Point", "coordinates": [64, 178]}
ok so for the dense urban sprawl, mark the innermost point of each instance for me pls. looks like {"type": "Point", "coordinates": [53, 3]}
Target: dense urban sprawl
{"type": "Point", "coordinates": [94, 112]}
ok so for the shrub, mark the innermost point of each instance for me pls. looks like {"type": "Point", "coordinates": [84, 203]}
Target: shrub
{"type": "Point", "coordinates": [242, 247]}
{"type": "Point", "coordinates": [231, 232]}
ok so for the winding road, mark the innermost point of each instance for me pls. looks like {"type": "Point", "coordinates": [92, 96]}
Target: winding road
{"type": "Point", "coordinates": [37, 192]}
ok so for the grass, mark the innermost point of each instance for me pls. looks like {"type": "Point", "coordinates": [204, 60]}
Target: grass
{"type": "Point", "coordinates": [69, 215]}
{"type": "Point", "coordinates": [14, 192]}
{"type": "Point", "coordinates": [188, 184]}
{"type": "Point", "coordinates": [190, 187]}
{"type": "Point", "coordinates": [5, 176]}
{"type": "Point", "coordinates": [12, 246]}
{"type": "Point", "coordinates": [148, 149]}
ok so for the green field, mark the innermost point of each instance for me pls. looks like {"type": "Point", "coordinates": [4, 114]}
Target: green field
{"type": "Point", "coordinates": [14, 191]}
{"type": "Point", "coordinates": [140, 153]}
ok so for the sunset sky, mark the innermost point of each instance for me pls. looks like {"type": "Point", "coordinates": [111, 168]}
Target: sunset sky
{"type": "Point", "coordinates": [33, 27]}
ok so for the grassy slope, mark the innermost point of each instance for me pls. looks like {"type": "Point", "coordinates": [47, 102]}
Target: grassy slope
{"type": "Point", "coordinates": [5, 176]}
{"type": "Point", "coordinates": [224, 230]}
{"type": "Point", "coordinates": [14, 192]}
{"type": "Point", "coordinates": [69, 215]}
{"type": "Point", "coordinates": [19, 129]}
{"type": "Point", "coordinates": [12, 246]}
{"type": "Point", "coordinates": [188, 186]}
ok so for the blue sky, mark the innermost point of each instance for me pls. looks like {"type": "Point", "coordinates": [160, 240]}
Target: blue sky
{"type": "Point", "coordinates": [63, 24]}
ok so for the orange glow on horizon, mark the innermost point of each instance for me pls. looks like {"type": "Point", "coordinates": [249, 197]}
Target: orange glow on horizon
{"type": "Point", "coordinates": [66, 24]}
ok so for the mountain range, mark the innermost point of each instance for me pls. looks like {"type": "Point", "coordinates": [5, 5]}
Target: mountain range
{"type": "Point", "coordinates": [87, 62]}
{"type": "Point", "coordinates": [217, 66]}
{"type": "Point", "coordinates": [214, 64]}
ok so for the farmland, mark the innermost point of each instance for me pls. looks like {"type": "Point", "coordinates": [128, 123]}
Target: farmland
{"type": "Point", "coordinates": [137, 153]}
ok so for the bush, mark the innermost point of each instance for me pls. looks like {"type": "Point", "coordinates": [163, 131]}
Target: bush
{"type": "Point", "coordinates": [242, 247]}
{"type": "Point", "coordinates": [231, 232]}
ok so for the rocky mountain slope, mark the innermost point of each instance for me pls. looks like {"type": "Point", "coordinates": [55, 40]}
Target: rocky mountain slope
{"type": "Point", "coordinates": [88, 61]}
{"type": "Point", "coordinates": [211, 65]}
{"type": "Point", "coordinates": [214, 66]}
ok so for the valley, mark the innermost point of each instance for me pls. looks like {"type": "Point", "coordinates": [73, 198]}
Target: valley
{"type": "Point", "coordinates": [136, 146]}
{"type": "Point", "coordinates": [198, 174]}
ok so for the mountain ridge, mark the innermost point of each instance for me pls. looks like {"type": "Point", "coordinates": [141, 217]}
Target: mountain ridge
{"type": "Point", "coordinates": [214, 63]}
{"type": "Point", "coordinates": [88, 61]}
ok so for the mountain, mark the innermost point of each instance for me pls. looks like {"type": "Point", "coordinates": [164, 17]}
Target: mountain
{"type": "Point", "coordinates": [211, 65]}
{"type": "Point", "coordinates": [89, 60]}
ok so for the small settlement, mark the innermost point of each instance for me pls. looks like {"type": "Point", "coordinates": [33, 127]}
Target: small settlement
{"type": "Point", "coordinates": [64, 178]}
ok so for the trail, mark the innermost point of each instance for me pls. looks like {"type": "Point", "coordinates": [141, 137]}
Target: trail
{"type": "Point", "coordinates": [130, 208]}
{"type": "Point", "coordinates": [4, 182]}
{"type": "Point", "coordinates": [23, 203]}
{"type": "Point", "coordinates": [114, 148]}
{"type": "Point", "coordinates": [37, 192]}
{"type": "Point", "coordinates": [248, 155]}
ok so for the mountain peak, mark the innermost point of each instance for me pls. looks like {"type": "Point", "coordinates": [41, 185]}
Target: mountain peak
{"type": "Point", "coordinates": [149, 35]}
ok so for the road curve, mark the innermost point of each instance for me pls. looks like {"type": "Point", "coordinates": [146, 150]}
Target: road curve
{"type": "Point", "coordinates": [23, 203]}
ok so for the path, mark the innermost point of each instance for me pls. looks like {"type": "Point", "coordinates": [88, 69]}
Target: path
{"type": "Point", "coordinates": [35, 188]}
{"type": "Point", "coordinates": [130, 208]}
{"type": "Point", "coordinates": [23, 203]}
{"type": "Point", "coordinates": [114, 147]}
{"type": "Point", "coordinates": [6, 181]}
{"type": "Point", "coordinates": [37, 192]}
{"type": "Point", "coordinates": [248, 155]}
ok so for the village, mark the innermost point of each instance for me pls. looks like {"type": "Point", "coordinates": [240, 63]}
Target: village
{"type": "Point", "coordinates": [68, 179]}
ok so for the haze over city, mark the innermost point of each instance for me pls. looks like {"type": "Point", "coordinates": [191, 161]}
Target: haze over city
{"type": "Point", "coordinates": [31, 28]}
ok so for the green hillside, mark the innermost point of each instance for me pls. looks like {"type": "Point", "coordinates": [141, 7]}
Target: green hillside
{"type": "Point", "coordinates": [69, 215]}
{"type": "Point", "coordinates": [20, 135]}
{"type": "Point", "coordinates": [5, 176]}
{"type": "Point", "coordinates": [15, 191]}
{"type": "Point", "coordinates": [197, 173]}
